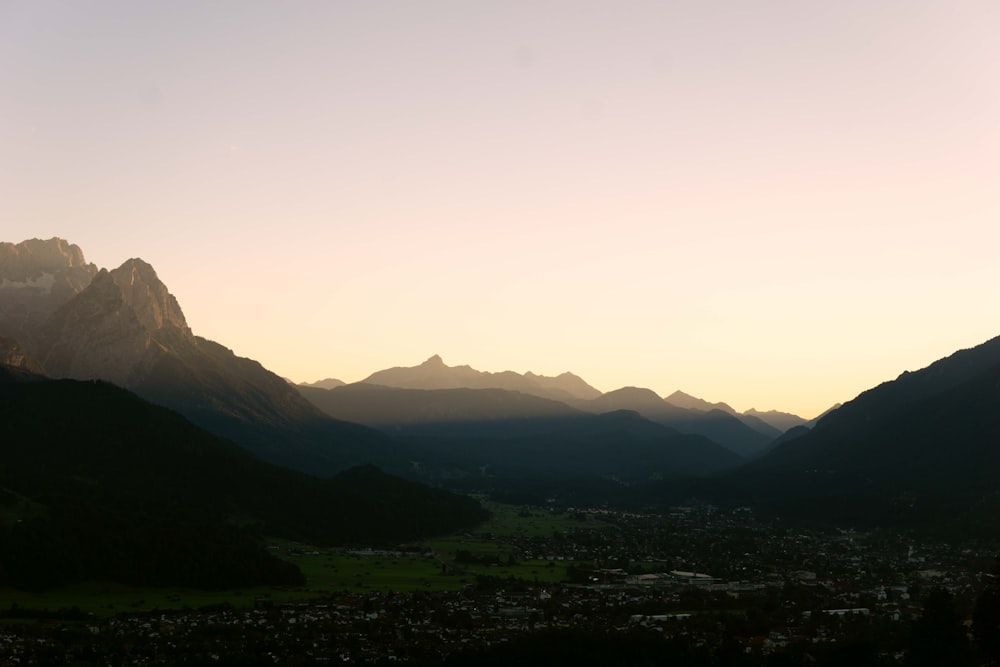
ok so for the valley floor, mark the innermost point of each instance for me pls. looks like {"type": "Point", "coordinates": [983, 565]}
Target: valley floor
{"type": "Point", "coordinates": [561, 585]}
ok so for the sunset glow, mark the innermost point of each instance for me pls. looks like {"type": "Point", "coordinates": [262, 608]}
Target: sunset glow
{"type": "Point", "coordinates": [776, 204]}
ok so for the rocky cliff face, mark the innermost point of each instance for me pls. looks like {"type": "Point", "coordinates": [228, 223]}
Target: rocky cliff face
{"type": "Point", "coordinates": [83, 323]}
{"type": "Point", "coordinates": [36, 278]}
{"type": "Point", "coordinates": [31, 259]}
{"type": "Point", "coordinates": [148, 298]}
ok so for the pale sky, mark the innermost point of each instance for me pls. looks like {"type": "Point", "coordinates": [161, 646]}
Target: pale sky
{"type": "Point", "coordinates": [776, 204]}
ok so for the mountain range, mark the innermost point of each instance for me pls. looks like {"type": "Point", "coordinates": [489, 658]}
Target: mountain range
{"type": "Point", "coordinates": [434, 374]}
{"type": "Point", "coordinates": [920, 448]}
{"type": "Point", "coordinates": [530, 397]}
{"type": "Point", "coordinates": [123, 326]}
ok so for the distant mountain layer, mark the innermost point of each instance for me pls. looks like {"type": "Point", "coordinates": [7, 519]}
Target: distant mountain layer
{"type": "Point", "coordinates": [779, 420]}
{"type": "Point", "coordinates": [380, 406]}
{"type": "Point", "coordinates": [721, 427]}
{"type": "Point", "coordinates": [434, 374]}
{"type": "Point", "coordinates": [682, 400]}
{"type": "Point", "coordinates": [328, 383]}
{"type": "Point", "coordinates": [99, 484]}
{"type": "Point", "coordinates": [125, 327]}
{"type": "Point", "coordinates": [463, 432]}
{"type": "Point", "coordinates": [922, 448]}
{"type": "Point", "coordinates": [746, 434]}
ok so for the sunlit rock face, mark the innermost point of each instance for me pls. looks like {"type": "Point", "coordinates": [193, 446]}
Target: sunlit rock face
{"type": "Point", "coordinates": [124, 326]}
{"type": "Point", "coordinates": [142, 290]}
{"type": "Point", "coordinates": [36, 278]}
{"type": "Point", "coordinates": [30, 259]}
{"type": "Point", "coordinates": [82, 323]}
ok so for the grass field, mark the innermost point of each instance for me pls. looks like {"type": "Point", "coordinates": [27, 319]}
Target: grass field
{"type": "Point", "coordinates": [427, 566]}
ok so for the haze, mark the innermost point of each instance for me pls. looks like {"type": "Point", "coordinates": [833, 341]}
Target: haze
{"type": "Point", "coordinates": [773, 204]}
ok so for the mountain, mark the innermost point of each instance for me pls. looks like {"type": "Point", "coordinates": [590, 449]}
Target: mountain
{"type": "Point", "coordinates": [782, 421]}
{"type": "Point", "coordinates": [435, 374]}
{"type": "Point", "coordinates": [682, 400]}
{"type": "Point", "coordinates": [755, 420]}
{"type": "Point", "coordinates": [716, 425]}
{"type": "Point", "coordinates": [502, 433]}
{"type": "Point", "coordinates": [96, 483]}
{"type": "Point", "coordinates": [760, 426]}
{"type": "Point", "coordinates": [747, 435]}
{"type": "Point", "coordinates": [36, 277]}
{"type": "Point", "coordinates": [328, 383]}
{"type": "Point", "coordinates": [923, 448]}
{"type": "Point", "coordinates": [620, 445]}
{"type": "Point", "coordinates": [391, 409]}
{"type": "Point", "coordinates": [815, 420]}
{"type": "Point", "coordinates": [125, 327]}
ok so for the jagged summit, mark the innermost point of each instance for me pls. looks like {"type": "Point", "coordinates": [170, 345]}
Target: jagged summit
{"type": "Point", "coordinates": [35, 257]}
{"type": "Point", "coordinates": [435, 374]}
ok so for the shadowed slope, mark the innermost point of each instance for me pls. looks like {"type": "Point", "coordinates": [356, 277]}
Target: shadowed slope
{"type": "Point", "coordinates": [922, 448]}
{"type": "Point", "coordinates": [119, 480]}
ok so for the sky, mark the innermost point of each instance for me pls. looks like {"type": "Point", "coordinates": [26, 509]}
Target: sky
{"type": "Point", "coordinates": [777, 204]}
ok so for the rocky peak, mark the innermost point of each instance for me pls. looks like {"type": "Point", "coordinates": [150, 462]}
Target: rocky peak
{"type": "Point", "coordinates": [35, 257]}
{"type": "Point", "coordinates": [36, 278]}
{"type": "Point", "coordinates": [434, 362]}
{"type": "Point", "coordinates": [154, 305]}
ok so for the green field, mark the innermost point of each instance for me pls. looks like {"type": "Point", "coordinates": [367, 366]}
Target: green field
{"type": "Point", "coordinates": [426, 566]}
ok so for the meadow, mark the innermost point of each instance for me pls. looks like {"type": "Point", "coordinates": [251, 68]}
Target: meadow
{"type": "Point", "coordinates": [429, 565]}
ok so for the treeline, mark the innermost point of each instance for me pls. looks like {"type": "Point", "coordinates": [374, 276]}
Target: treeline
{"type": "Point", "coordinates": [83, 542]}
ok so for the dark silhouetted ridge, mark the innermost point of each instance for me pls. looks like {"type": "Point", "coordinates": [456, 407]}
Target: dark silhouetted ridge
{"type": "Point", "coordinates": [108, 486]}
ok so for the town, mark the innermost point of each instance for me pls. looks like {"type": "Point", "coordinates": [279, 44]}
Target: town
{"type": "Point", "coordinates": [714, 586]}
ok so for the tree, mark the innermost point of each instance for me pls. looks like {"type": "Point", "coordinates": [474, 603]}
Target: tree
{"type": "Point", "coordinates": [986, 619]}
{"type": "Point", "coordinates": [937, 637]}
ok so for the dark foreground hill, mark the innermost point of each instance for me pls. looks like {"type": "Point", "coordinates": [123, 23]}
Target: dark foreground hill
{"type": "Point", "coordinates": [923, 449]}
{"type": "Point", "coordinates": [96, 483]}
